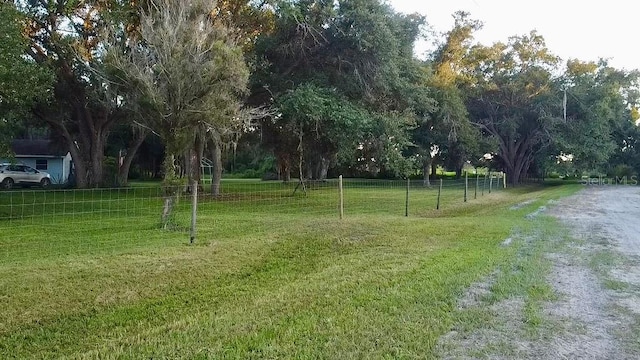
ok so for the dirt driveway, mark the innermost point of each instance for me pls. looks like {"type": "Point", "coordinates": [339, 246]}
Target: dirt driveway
{"type": "Point", "coordinates": [595, 278]}
{"type": "Point", "coordinates": [599, 275]}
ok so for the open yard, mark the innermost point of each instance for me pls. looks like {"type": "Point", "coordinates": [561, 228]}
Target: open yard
{"type": "Point", "coordinates": [88, 274]}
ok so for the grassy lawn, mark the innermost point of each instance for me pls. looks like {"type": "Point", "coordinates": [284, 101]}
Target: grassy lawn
{"type": "Point", "coordinates": [271, 276]}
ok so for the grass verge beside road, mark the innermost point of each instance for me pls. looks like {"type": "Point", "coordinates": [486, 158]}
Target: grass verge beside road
{"type": "Point", "coordinates": [295, 285]}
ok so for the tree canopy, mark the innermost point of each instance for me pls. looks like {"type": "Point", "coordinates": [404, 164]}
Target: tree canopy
{"type": "Point", "coordinates": [336, 86]}
{"type": "Point", "coordinates": [22, 81]}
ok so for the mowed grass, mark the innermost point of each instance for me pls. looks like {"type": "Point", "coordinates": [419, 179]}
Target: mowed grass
{"type": "Point", "coordinates": [277, 278]}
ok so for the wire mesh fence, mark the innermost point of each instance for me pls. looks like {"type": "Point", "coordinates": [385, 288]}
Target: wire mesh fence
{"type": "Point", "coordinates": [42, 224]}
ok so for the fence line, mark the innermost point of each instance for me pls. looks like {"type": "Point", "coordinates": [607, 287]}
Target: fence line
{"type": "Point", "coordinates": [50, 223]}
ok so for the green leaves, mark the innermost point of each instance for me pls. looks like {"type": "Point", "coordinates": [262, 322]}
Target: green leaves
{"type": "Point", "coordinates": [512, 97]}
{"type": "Point", "coordinates": [329, 123]}
{"type": "Point", "coordinates": [187, 69]}
{"type": "Point", "coordinates": [599, 112]}
{"type": "Point", "coordinates": [22, 81]}
{"type": "Point", "coordinates": [340, 74]}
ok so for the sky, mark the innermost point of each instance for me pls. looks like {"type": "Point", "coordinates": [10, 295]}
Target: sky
{"type": "Point", "coordinates": [586, 30]}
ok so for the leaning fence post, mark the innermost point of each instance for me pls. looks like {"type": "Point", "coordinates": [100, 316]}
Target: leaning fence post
{"type": "Point", "coordinates": [439, 192]}
{"type": "Point", "coordinates": [341, 197]}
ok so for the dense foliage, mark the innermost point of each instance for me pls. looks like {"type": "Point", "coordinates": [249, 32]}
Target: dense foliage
{"type": "Point", "coordinates": [305, 89]}
{"type": "Point", "coordinates": [22, 81]}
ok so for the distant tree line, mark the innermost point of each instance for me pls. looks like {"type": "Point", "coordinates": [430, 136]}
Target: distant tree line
{"type": "Point", "coordinates": [300, 89]}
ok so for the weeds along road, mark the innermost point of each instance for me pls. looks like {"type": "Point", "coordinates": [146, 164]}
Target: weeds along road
{"type": "Point", "coordinates": [592, 273]}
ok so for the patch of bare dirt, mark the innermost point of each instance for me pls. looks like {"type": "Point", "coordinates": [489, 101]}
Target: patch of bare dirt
{"type": "Point", "coordinates": [585, 307]}
{"type": "Point", "coordinates": [503, 339]}
{"type": "Point", "coordinates": [522, 204]}
{"type": "Point", "coordinates": [476, 292]}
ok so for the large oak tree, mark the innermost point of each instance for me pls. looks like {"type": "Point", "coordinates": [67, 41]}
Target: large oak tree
{"type": "Point", "coordinates": [514, 99]}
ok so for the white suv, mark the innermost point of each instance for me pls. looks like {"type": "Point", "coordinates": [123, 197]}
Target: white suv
{"type": "Point", "coordinates": [11, 175]}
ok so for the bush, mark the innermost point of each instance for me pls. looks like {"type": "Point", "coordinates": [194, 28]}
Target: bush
{"type": "Point", "coordinates": [110, 170]}
{"type": "Point", "coordinates": [622, 170]}
{"type": "Point", "coordinates": [255, 170]}
{"type": "Point", "coordinates": [270, 176]}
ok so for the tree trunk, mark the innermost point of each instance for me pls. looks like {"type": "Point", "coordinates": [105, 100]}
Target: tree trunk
{"type": "Point", "coordinates": [87, 141]}
{"type": "Point", "coordinates": [216, 176]}
{"type": "Point", "coordinates": [311, 171]}
{"type": "Point", "coordinates": [199, 153]}
{"type": "Point", "coordinates": [97, 160]}
{"type": "Point", "coordinates": [426, 168]}
{"type": "Point", "coordinates": [123, 169]}
{"type": "Point", "coordinates": [516, 156]}
{"type": "Point", "coordinates": [434, 170]}
{"type": "Point", "coordinates": [284, 167]}
{"type": "Point", "coordinates": [195, 160]}
{"type": "Point", "coordinates": [301, 159]}
{"type": "Point", "coordinates": [324, 168]}
{"type": "Point", "coordinates": [517, 165]}
{"type": "Point", "coordinates": [171, 190]}
{"type": "Point", "coordinates": [80, 168]}
{"type": "Point", "coordinates": [167, 209]}
{"type": "Point", "coordinates": [79, 165]}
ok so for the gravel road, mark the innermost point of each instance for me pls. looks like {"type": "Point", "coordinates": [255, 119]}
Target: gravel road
{"type": "Point", "coordinates": [600, 275]}
{"type": "Point", "coordinates": [595, 272]}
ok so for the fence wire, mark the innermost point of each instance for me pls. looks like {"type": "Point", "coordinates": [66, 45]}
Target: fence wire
{"type": "Point", "coordinates": [43, 224]}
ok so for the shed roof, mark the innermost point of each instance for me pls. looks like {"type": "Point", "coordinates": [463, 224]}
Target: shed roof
{"type": "Point", "coordinates": [24, 148]}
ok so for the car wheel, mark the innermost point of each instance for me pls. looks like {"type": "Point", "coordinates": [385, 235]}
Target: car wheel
{"type": "Point", "coordinates": [45, 183]}
{"type": "Point", "coordinates": [7, 183]}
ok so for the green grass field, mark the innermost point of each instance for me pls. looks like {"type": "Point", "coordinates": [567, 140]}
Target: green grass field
{"type": "Point", "coordinates": [273, 275]}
